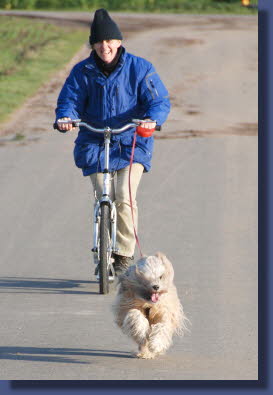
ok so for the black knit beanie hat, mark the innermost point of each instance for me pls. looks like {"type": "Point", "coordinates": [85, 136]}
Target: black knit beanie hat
{"type": "Point", "coordinates": [103, 28]}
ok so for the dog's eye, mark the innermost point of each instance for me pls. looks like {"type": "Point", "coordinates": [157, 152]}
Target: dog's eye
{"type": "Point", "coordinates": [160, 278]}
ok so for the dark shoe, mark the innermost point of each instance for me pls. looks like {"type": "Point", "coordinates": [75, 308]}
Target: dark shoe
{"type": "Point", "coordinates": [121, 263]}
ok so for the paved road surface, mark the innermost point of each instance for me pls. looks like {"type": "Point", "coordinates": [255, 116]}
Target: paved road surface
{"type": "Point", "coordinates": [198, 205]}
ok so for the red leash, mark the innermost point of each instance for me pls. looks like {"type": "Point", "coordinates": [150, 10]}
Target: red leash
{"type": "Point", "coordinates": [130, 192]}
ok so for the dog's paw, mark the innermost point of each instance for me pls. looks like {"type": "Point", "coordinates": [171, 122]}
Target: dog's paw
{"type": "Point", "coordinates": [145, 355]}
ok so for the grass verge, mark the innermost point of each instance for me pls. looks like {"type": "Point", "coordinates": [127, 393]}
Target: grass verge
{"type": "Point", "coordinates": [174, 6]}
{"type": "Point", "coordinates": [31, 52]}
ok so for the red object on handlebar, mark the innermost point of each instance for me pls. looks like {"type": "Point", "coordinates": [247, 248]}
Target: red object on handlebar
{"type": "Point", "coordinates": [144, 132]}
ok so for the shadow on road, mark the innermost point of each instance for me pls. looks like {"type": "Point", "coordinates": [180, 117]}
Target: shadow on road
{"type": "Point", "coordinates": [60, 355]}
{"type": "Point", "coordinates": [44, 286]}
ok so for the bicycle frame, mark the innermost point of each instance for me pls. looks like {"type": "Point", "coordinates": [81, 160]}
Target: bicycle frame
{"type": "Point", "coordinates": [105, 198]}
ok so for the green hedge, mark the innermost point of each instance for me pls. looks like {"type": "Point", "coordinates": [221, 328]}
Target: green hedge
{"type": "Point", "coordinates": [134, 5]}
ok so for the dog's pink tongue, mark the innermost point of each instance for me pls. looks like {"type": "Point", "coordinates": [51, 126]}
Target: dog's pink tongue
{"type": "Point", "coordinates": [155, 297]}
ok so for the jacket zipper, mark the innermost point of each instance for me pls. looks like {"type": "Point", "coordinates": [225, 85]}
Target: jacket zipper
{"type": "Point", "coordinates": [103, 101]}
{"type": "Point", "coordinates": [118, 97]}
{"type": "Point", "coordinates": [151, 86]}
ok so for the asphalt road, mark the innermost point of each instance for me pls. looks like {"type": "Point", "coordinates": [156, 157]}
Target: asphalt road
{"type": "Point", "coordinates": [198, 205]}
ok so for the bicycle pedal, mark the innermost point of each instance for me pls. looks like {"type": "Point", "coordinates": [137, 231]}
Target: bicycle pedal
{"type": "Point", "coordinates": [111, 278]}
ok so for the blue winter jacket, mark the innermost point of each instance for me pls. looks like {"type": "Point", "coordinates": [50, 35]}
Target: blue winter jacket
{"type": "Point", "coordinates": [132, 90]}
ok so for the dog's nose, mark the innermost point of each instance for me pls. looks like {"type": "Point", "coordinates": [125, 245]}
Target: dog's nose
{"type": "Point", "coordinates": [156, 287]}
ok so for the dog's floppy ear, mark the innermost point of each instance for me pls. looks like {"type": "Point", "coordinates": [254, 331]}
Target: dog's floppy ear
{"type": "Point", "coordinates": [167, 264]}
{"type": "Point", "coordinates": [138, 263]}
{"type": "Point", "coordinates": [160, 255]}
{"type": "Point", "coordinates": [138, 273]}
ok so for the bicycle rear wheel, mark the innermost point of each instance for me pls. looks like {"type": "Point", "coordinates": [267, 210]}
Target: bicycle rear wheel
{"type": "Point", "coordinates": [105, 248]}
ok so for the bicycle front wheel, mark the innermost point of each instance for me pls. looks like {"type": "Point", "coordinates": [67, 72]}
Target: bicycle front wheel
{"type": "Point", "coordinates": [105, 248]}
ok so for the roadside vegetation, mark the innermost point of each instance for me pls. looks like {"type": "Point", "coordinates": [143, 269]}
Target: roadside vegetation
{"type": "Point", "coordinates": [179, 6]}
{"type": "Point", "coordinates": [31, 52]}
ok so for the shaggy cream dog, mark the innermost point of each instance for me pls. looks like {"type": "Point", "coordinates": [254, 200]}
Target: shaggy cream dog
{"type": "Point", "coordinates": [147, 307]}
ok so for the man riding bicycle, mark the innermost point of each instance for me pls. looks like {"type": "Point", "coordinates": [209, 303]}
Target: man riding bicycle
{"type": "Point", "coordinates": [110, 88]}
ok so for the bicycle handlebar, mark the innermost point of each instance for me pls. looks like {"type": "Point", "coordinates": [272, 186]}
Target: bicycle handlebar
{"type": "Point", "coordinates": [78, 122]}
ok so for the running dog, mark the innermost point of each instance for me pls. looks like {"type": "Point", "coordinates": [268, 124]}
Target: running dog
{"type": "Point", "coordinates": [147, 307]}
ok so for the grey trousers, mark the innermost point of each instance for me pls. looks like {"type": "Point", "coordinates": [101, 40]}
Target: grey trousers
{"type": "Point", "coordinates": [119, 192]}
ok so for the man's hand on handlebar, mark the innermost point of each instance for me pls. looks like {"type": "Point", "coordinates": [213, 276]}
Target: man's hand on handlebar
{"type": "Point", "coordinates": [148, 125]}
{"type": "Point", "coordinates": [65, 126]}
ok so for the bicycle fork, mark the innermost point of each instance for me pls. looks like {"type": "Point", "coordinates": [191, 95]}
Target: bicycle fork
{"type": "Point", "coordinates": [113, 230]}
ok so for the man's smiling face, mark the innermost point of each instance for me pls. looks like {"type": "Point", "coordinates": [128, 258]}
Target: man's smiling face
{"type": "Point", "coordinates": [107, 49]}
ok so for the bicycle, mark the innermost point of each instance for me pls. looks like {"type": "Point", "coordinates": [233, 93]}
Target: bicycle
{"type": "Point", "coordinates": [105, 216]}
